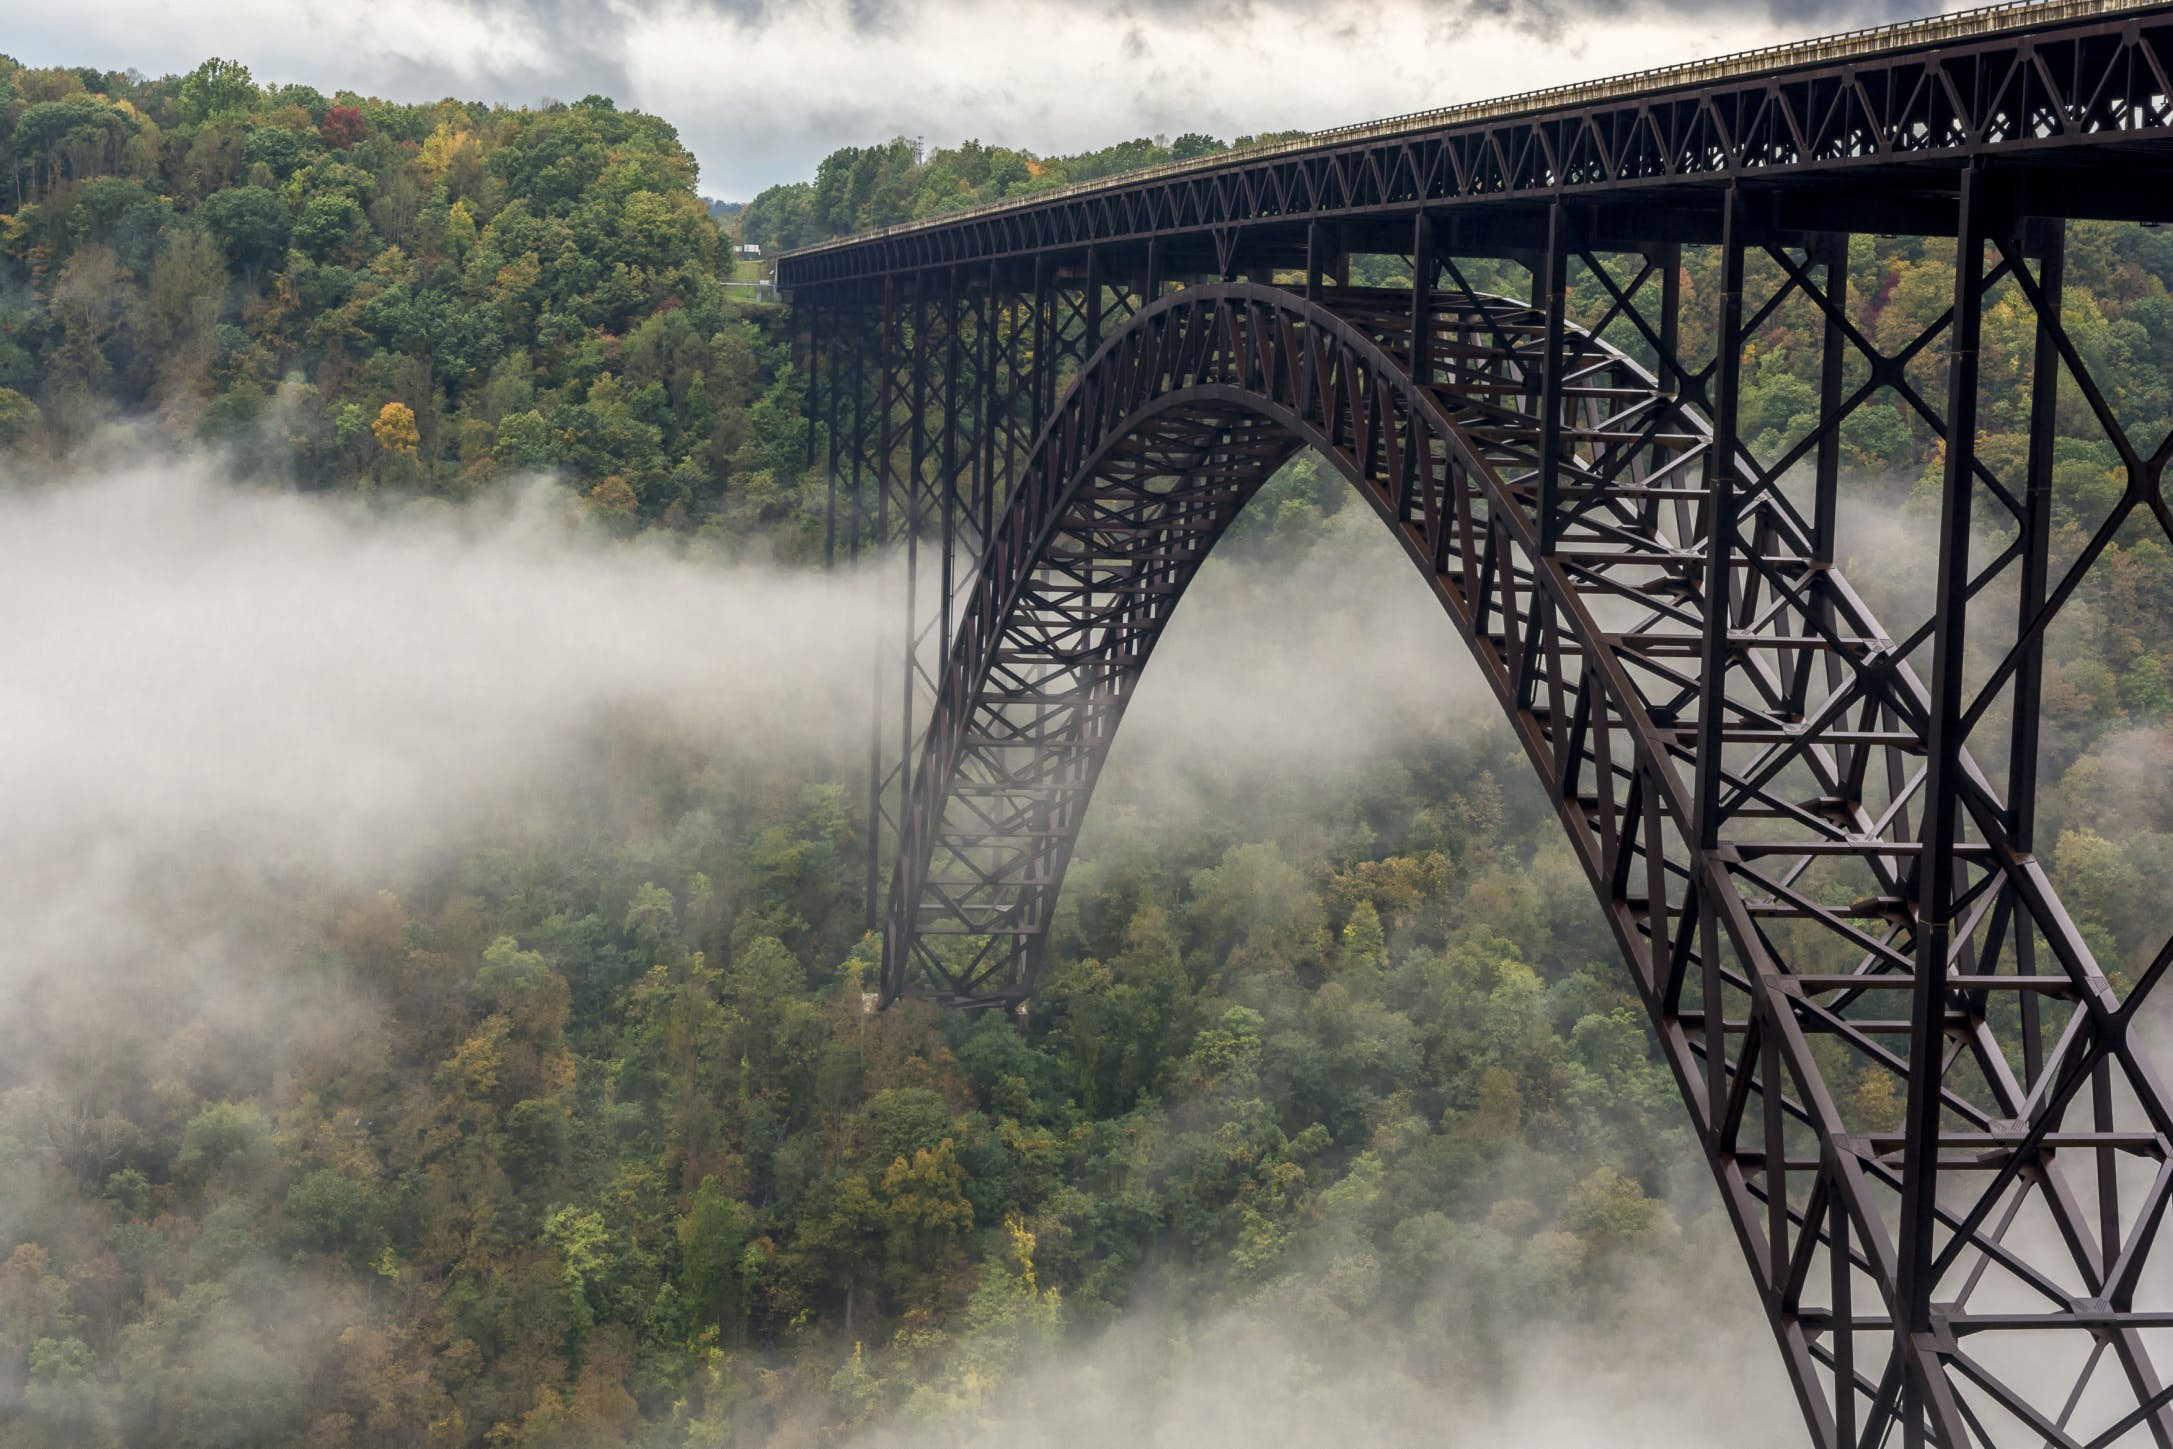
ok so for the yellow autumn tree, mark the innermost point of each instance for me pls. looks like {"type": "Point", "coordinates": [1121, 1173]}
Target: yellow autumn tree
{"type": "Point", "coordinates": [395, 428]}
{"type": "Point", "coordinates": [439, 150]}
{"type": "Point", "coordinates": [616, 493]}
{"type": "Point", "coordinates": [928, 1193]}
{"type": "Point", "coordinates": [460, 228]}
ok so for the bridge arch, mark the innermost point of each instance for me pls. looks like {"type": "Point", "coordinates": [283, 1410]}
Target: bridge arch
{"type": "Point", "coordinates": [1150, 455]}
{"type": "Point", "coordinates": [1730, 739]}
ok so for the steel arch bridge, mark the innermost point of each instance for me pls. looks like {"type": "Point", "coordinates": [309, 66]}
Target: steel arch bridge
{"type": "Point", "coordinates": [1813, 834]}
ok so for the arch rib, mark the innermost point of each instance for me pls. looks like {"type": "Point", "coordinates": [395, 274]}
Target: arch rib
{"type": "Point", "coordinates": [1592, 645]}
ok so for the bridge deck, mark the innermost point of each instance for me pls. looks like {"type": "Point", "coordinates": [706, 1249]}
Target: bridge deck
{"type": "Point", "coordinates": [2012, 78]}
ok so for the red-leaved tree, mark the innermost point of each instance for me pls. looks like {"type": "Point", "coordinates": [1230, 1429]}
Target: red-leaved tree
{"type": "Point", "coordinates": [341, 127]}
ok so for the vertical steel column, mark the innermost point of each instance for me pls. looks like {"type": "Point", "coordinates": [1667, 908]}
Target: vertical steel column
{"type": "Point", "coordinates": [858, 523]}
{"type": "Point", "coordinates": [1422, 298]}
{"type": "Point", "coordinates": [1044, 374]}
{"type": "Point", "coordinates": [985, 426]}
{"type": "Point", "coordinates": [1927, 1394]}
{"type": "Point", "coordinates": [1721, 506]}
{"type": "Point", "coordinates": [2048, 239]}
{"type": "Point", "coordinates": [951, 308]}
{"type": "Point", "coordinates": [871, 885]}
{"type": "Point", "coordinates": [1669, 372]}
{"type": "Point", "coordinates": [984, 483]}
{"type": "Point", "coordinates": [830, 428]}
{"type": "Point", "coordinates": [1830, 253]}
{"type": "Point", "coordinates": [1047, 344]}
{"type": "Point", "coordinates": [1011, 365]}
{"type": "Point", "coordinates": [915, 521]}
{"type": "Point", "coordinates": [886, 441]}
{"type": "Point", "coordinates": [1093, 312]}
{"type": "Point", "coordinates": [814, 321]}
{"type": "Point", "coordinates": [1552, 283]}
{"type": "Point", "coordinates": [886, 321]}
{"type": "Point", "coordinates": [1841, 1289]}
{"type": "Point", "coordinates": [1315, 260]}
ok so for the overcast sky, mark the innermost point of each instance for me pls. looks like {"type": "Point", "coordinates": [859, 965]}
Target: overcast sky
{"type": "Point", "coordinates": [762, 89]}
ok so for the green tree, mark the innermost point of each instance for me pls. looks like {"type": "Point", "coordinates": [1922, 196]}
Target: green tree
{"type": "Point", "coordinates": [222, 1134]}
{"type": "Point", "coordinates": [18, 416]}
{"type": "Point", "coordinates": [216, 90]}
{"type": "Point", "coordinates": [713, 1240]}
{"type": "Point", "coordinates": [251, 224]}
{"type": "Point", "coordinates": [331, 1212]}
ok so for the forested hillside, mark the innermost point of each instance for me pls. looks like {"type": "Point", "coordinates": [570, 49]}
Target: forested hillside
{"type": "Point", "coordinates": [863, 187]}
{"type": "Point", "coordinates": [371, 295]}
{"type": "Point", "coordinates": [613, 1153]}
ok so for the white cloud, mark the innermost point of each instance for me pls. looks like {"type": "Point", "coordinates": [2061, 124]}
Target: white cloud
{"type": "Point", "coordinates": [182, 654]}
{"type": "Point", "coordinates": [227, 710]}
{"type": "Point", "coordinates": [761, 92]}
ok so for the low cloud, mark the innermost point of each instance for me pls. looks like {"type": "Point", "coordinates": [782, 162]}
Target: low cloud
{"type": "Point", "coordinates": [1675, 1356]}
{"type": "Point", "coordinates": [299, 675]}
{"type": "Point", "coordinates": [1287, 679]}
{"type": "Point", "coordinates": [225, 707]}
{"type": "Point", "coordinates": [221, 699]}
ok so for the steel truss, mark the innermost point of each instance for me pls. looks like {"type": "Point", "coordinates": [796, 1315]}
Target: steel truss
{"type": "Point", "coordinates": [1813, 880]}
{"type": "Point", "coordinates": [930, 392]}
{"type": "Point", "coordinates": [1929, 1109]}
{"type": "Point", "coordinates": [2069, 87]}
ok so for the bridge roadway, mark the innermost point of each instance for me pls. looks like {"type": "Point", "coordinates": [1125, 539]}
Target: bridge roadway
{"type": "Point", "coordinates": [1864, 128]}
{"type": "Point", "coordinates": [1812, 831]}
